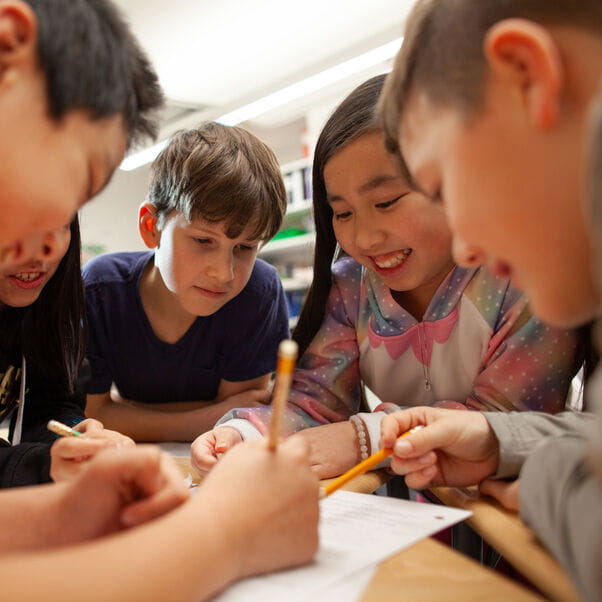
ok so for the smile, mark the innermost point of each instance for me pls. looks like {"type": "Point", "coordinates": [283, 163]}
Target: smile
{"type": "Point", "coordinates": [27, 276]}
{"type": "Point", "coordinates": [392, 260]}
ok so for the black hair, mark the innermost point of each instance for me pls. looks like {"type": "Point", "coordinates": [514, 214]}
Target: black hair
{"type": "Point", "coordinates": [51, 332]}
{"type": "Point", "coordinates": [92, 61]}
{"type": "Point", "coordinates": [354, 117]}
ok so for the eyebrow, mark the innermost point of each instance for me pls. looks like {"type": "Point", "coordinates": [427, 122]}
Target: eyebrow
{"type": "Point", "coordinates": [372, 184]}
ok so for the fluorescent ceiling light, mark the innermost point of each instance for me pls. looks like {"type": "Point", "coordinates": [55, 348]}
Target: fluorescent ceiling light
{"type": "Point", "coordinates": [312, 84]}
{"type": "Point", "coordinates": [285, 95]}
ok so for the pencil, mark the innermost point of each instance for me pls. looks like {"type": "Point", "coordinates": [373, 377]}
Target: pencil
{"type": "Point", "coordinates": [62, 429]}
{"type": "Point", "coordinates": [287, 354]}
{"type": "Point", "coordinates": [362, 467]}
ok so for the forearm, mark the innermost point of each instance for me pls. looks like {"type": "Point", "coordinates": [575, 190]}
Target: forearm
{"type": "Point", "coordinates": [193, 550]}
{"type": "Point", "coordinates": [145, 424]}
{"type": "Point", "coordinates": [519, 433]}
{"type": "Point", "coordinates": [560, 501]}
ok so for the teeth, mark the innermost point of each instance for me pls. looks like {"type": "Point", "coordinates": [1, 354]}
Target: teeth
{"type": "Point", "coordinates": [394, 261]}
{"type": "Point", "coordinates": [28, 276]}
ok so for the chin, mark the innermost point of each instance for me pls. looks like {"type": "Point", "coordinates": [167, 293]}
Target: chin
{"type": "Point", "coordinates": [570, 314]}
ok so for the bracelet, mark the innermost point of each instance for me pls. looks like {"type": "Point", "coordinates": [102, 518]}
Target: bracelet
{"type": "Point", "coordinates": [360, 429]}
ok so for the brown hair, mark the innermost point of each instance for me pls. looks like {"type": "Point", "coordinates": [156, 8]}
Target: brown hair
{"type": "Point", "coordinates": [220, 174]}
{"type": "Point", "coordinates": [442, 52]}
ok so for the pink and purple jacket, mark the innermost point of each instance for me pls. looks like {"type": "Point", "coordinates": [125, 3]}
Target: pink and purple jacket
{"type": "Point", "coordinates": [477, 345]}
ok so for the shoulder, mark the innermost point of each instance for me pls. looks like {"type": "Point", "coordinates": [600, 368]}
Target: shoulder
{"type": "Point", "coordinates": [347, 270]}
{"type": "Point", "coordinates": [115, 267]}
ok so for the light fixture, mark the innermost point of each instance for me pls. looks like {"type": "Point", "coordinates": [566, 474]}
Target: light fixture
{"type": "Point", "coordinates": [285, 95]}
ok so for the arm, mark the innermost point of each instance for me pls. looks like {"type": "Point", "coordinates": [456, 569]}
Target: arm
{"type": "Point", "coordinates": [144, 422]}
{"type": "Point", "coordinates": [24, 464]}
{"type": "Point", "coordinates": [262, 528]}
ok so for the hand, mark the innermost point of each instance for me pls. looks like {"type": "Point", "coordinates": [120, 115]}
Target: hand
{"type": "Point", "coordinates": [265, 504]}
{"type": "Point", "coordinates": [333, 448]}
{"type": "Point", "coordinates": [507, 494]}
{"type": "Point", "coordinates": [69, 454]}
{"type": "Point", "coordinates": [208, 447]}
{"type": "Point", "coordinates": [118, 488]}
{"type": "Point", "coordinates": [455, 448]}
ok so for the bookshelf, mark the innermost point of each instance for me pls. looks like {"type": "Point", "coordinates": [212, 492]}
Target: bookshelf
{"type": "Point", "coordinates": [291, 250]}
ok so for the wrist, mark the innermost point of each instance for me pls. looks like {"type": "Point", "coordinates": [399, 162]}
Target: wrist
{"type": "Point", "coordinates": [363, 442]}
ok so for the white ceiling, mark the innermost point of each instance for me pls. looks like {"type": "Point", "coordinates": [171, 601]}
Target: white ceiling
{"type": "Point", "coordinates": [216, 55]}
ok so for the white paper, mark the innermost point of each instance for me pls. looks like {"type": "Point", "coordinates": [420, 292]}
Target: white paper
{"type": "Point", "coordinates": [357, 531]}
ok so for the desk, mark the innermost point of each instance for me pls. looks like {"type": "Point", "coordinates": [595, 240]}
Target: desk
{"type": "Point", "coordinates": [505, 531]}
{"type": "Point", "coordinates": [427, 570]}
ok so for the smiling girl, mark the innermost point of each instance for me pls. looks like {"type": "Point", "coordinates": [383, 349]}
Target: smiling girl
{"type": "Point", "coordinates": [396, 314]}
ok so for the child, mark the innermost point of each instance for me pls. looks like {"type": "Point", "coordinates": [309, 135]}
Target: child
{"type": "Point", "coordinates": [204, 314]}
{"type": "Point", "coordinates": [396, 314]}
{"type": "Point", "coordinates": [503, 148]}
{"type": "Point", "coordinates": [41, 317]}
{"type": "Point", "coordinates": [84, 89]}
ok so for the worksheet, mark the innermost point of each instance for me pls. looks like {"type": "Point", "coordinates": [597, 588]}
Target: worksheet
{"type": "Point", "coordinates": [357, 531]}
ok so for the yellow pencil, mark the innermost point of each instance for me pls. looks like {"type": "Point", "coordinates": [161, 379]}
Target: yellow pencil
{"type": "Point", "coordinates": [62, 429]}
{"type": "Point", "coordinates": [362, 467]}
{"type": "Point", "coordinates": [287, 355]}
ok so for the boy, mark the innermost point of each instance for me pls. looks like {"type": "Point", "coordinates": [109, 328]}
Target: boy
{"type": "Point", "coordinates": [190, 331]}
{"type": "Point", "coordinates": [487, 109]}
{"type": "Point", "coordinates": [74, 91]}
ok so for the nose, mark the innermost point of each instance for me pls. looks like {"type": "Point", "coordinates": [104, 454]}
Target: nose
{"type": "Point", "coordinates": [221, 269]}
{"type": "Point", "coordinates": [45, 246]}
{"type": "Point", "coordinates": [368, 235]}
{"type": "Point", "coordinates": [467, 255]}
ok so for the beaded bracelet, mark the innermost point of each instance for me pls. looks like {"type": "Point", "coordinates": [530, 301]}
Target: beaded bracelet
{"type": "Point", "coordinates": [360, 428]}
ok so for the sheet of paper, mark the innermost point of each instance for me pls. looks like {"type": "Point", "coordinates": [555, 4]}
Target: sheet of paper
{"type": "Point", "coordinates": [357, 531]}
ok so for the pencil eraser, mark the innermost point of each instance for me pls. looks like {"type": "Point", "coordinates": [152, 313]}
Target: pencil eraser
{"type": "Point", "coordinates": [288, 349]}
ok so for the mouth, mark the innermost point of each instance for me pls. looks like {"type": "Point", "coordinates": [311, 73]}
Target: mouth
{"type": "Point", "coordinates": [27, 279]}
{"type": "Point", "coordinates": [389, 261]}
{"type": "Point", "coordinates": [210, 292]}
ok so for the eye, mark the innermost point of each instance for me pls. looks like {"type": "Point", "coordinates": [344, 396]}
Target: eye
{"type": "Point", "coordinates": [387, 204]}
{"type": "Point", "coordinates": [242, 247]}
{"type": "Point", "coordinates": [342, 215]}
{"type": "Point", "coordinates": [203, 241]}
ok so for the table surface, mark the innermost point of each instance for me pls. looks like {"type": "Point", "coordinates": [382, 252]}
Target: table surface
{"type": "Point", "coordinates": [428, 570]}
{"type": "Point", "coordinates": [507, 533]}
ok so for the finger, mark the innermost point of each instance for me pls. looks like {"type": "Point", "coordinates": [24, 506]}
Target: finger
{"type": "Point", "coordinates": [202, 462]}
{"type": "Point", "coordinates": [436, 435]}
{"type": "Point", "coordinates": [399, 423]}
{"type": "Point", "coordinates": [404, 467]}
{"type": "Point", "coordinates": [502, 491]}
{"type": "Point", "coordinates": [225, 439]}
{"type": "Point", "coordinates": [90, 427]}
{"type": "Point", "coordinates": [75, 448]}
{"type": "Point", "coordinates": [171, 493]}
{"type": "Point", "coordinates": [421, 479]}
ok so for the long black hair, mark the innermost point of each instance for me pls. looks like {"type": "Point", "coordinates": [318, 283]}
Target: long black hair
{"type": "Point", "coordinates": [51, 332]}
{"type": "Point", "coordinates": [354, 117]}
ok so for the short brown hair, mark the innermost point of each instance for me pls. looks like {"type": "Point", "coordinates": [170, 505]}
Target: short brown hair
{"type": "Point", "coordinates": [442, 52]}
{"type": "Point", "coordinates": [220, 173]}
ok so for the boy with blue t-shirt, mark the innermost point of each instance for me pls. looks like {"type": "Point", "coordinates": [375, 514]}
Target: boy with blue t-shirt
{"type": "Point", "coordinates": [181, 335]}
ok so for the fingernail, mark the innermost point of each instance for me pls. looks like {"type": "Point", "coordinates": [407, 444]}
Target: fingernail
{"type": "Point", "coordinates": [220, 448]}
{"type": "Point", "coordinates": [403, 448]}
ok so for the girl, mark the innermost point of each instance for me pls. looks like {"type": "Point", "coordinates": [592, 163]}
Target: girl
{"type": "Point", "coordinates": [43, 342]}
{"type": "Point", "coordinates": [396, 314]}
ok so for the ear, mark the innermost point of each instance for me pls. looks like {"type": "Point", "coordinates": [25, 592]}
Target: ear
{"type": "Point", "coordinates": [526, 54]}
{"type": "Point", "coordinates": [147, 225]}
{"type": "Point", "coordinates": [18, 35]}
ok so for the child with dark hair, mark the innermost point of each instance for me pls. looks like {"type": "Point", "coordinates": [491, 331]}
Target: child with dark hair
{"type": "Point", "coordinates": [86, 524]}
{"type": "Point", "coordinates": [190, 330]}
{"type": "Point", "coordinates": [42, 318]}
{"type": "Point", "coordinates": [396, 314]}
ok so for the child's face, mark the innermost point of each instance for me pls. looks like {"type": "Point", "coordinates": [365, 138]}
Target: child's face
{"type": "Point", "coordinates": [381, 223]}
{"type": "Point", "coordinates": [48, 169]}
{"type": "Point", "coordinates": [200, 265]}
{"type": "Point", "coordinates": [21, 285]}
{"type": "Point", "coordinates": [513, 197]}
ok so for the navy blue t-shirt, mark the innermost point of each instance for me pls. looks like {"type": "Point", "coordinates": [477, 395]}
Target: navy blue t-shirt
{"type": "Point", "coordinates": [238, 342]}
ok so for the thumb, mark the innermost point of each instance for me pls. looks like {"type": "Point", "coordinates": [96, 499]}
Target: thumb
{"type": "Point", "coordinates": [225, 439]}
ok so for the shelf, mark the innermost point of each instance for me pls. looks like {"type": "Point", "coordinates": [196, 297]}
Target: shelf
{"type": "Point", "coordinates": [295, 247]}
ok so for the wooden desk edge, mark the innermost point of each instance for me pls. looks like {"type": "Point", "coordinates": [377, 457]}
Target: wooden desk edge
{"type": "Point", "coordinates": [506, 532]}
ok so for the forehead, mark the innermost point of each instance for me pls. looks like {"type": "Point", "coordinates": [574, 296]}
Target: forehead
{"type": "Point", "coordinates": [208, 228]}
